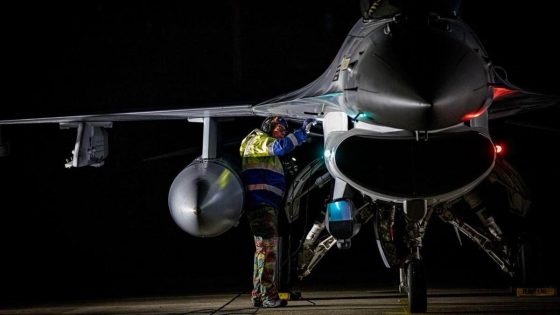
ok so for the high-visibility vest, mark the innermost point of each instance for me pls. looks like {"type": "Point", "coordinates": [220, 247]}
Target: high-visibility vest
{"type": "Point", "coordinates": [263, 175]}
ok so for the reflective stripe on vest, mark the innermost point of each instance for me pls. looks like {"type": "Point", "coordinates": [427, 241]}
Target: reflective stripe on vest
{"type": "Point", "coordinates": [270, 188]}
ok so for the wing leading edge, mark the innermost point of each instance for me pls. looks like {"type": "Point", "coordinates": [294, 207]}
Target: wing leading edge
{"type": "Point", "coordinates": [175, 114]}
{"type": "Point", "coordinates": [511, 100]}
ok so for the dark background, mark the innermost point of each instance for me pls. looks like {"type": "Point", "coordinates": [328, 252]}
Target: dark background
{"type": "Point", "coordinates": [106, 232]}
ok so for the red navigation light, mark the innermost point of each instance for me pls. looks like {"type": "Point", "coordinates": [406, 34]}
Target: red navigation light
{"type": "Point", "coordinates": [499, 149]}
{"type": "Point", "coordinates": [500, 91]}
{"type": "Point", "coordinates": [475, 114]}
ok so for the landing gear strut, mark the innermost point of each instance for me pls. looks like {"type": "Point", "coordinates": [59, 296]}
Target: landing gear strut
{"type": "Point", "coordinates": [412, 280]}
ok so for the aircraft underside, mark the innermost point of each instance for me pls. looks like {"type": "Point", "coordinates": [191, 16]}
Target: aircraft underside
{"type": "Point", "coordinates": [491, 216]}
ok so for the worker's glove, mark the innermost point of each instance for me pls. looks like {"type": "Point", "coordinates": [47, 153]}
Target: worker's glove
{"type": "Point", "coordinates": [307, 124]}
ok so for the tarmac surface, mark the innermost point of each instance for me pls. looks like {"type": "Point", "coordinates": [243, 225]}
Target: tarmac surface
{"type": "Point", "coordinates": [381, 301]}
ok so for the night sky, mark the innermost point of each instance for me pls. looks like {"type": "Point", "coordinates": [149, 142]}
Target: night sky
{"type": "Point", "coordinates": [106, 232]}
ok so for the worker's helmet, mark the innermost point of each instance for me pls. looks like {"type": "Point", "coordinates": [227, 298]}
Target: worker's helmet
{"type": "Point", "coordinates": [270, 123]}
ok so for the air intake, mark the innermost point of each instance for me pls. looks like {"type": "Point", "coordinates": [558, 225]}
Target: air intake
{"type": "Point", "coordinates": [409, 168]}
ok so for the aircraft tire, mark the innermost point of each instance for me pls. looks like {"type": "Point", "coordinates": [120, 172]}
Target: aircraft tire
{"type": "Point", "coordinates": [528, 262]}
{"type": "Point", "coordinates": [417, 298]}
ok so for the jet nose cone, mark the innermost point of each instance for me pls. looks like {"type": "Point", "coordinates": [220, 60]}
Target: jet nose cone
{"type": "Point", "coordinates": [416, 78]}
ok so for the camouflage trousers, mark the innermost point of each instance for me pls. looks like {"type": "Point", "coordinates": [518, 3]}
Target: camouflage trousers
{"type": "Point", "coordinates": [263, 222]}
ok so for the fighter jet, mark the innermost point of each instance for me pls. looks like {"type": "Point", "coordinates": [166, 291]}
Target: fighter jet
{"type": "Point", "coordinates": [410, 83]}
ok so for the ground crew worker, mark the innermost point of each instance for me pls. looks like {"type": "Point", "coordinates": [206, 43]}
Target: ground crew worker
{"type": "Point", "coordinates": [265, 183]}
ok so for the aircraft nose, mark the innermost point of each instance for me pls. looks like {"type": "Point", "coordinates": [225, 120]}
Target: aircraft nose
{"type": "Point", "coordinates": [417, 78]}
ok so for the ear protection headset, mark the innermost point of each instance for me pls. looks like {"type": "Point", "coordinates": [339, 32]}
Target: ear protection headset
{"type": "Point", "coordinates": [267, 125]}
{"type": "Point", "coordinates": [270, 123]}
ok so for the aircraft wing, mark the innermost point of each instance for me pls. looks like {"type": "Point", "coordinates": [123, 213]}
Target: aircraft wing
{"type": "Point", "coordinates": [309, 107]}
{"type": "Point", "coordinates": [511, 100]}
{"type": "Point", "coordinates": [519, 101]}
{"type": "Point", "coordinates": [91, 147]}
{"type": "Point", "coordinates": [175, 114]}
